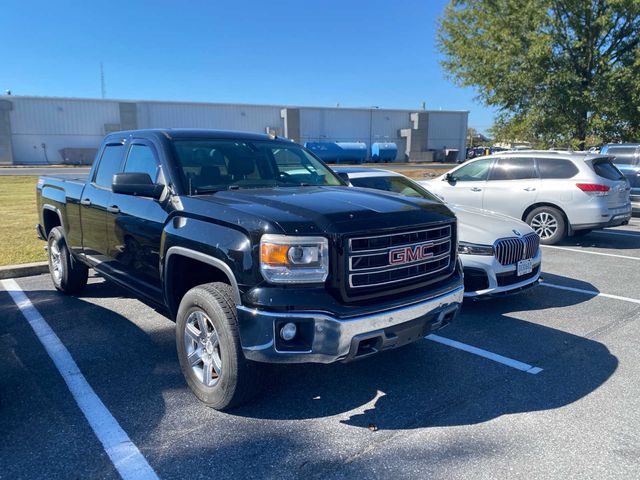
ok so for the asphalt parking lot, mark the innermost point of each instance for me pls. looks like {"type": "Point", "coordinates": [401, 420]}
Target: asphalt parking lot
{"type": "Point", "coordinates": [545, 384]}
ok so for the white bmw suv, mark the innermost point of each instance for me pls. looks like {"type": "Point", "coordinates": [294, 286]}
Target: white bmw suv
{"type": "Point", "coordinates": [500, 255]}
{"type": "Point", "coordinates": [556, 193]}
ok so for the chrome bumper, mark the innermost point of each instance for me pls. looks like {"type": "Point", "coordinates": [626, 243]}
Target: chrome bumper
{"type": "Point", "coordinates": [330, 339]}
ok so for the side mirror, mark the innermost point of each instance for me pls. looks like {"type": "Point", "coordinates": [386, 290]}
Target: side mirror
{"type": "Point", "coordinates": [138, 184]}
{"type": "Point", "coordinates": [450, 178]}
{"type": "Point", "coordinates": [344, 176]}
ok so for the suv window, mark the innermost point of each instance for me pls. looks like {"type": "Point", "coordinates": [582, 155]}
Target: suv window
{"type": "Point", "coordinates": [473, 172]}
{"type": "Point", "coordinates": [109, 165]}
{"type": "Point", "coordinates": [623, 155]}
{"type": "Point", "coordinates": [516, 168]}
{"type": "Point", "coordinates": [556, 168]}
{"type": "Point", "coordinates": [142, 160]}
{"type": "Point", "coordinates": [606, 169]}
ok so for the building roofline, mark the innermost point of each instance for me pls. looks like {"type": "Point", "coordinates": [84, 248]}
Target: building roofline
{"type": "Point", "coordinates": [187, 102]}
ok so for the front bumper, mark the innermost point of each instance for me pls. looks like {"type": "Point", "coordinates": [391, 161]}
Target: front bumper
{"type": "Point", "coordinates": [329, 339]}
{"type": "Point", "coordinates": [500, 279]}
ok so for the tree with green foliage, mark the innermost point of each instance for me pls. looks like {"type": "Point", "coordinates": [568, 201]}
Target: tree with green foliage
{"type": "Point", "coordinates": [560, 72]}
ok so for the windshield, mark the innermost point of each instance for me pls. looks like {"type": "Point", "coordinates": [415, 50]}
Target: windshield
{"type": "Point", "coordinates": [212, 165]}
{"type": "Point", "coordinates": [401, 185]}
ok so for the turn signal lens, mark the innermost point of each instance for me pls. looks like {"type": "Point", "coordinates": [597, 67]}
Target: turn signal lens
{"type": "Point", "coordinates": [273, 254]}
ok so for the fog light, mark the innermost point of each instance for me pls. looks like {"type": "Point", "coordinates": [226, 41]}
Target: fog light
{"type": "Point", "coordinates": [288, 331]}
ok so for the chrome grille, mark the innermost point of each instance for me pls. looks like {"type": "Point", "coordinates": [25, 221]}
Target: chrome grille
{"type": "Point", "coordinates": [388, 259]}
{"type": "Point", "coordinates": [509, 251]}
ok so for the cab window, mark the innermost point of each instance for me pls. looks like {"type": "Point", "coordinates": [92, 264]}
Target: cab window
{"type": "Point", "coordinates": [109, 165]}
{"type": "Point", "coordinates": [473, 172]}
{"type": "Point", "coordinates": [142, 160]}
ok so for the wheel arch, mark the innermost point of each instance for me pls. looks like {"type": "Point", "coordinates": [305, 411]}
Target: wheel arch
{"type": "Point", "coordinates": [202, 268]}
{"type": "Point", "coordinates": [546, 204]}
{"type": "Point", "coordinates": [51, 218]}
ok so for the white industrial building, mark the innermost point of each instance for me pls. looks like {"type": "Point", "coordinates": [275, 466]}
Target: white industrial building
{"type": "Point", "coordinates": [39, 130]}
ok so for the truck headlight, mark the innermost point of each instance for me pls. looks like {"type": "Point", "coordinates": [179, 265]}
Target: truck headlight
{"type": "Point", "coordinates": [287, 259]}
{"type": "Point", "coordinates": [467, 248]}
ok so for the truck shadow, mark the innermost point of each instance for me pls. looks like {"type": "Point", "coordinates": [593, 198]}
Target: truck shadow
{"type": "Point", "coordinates": [133, 368]}
{"type": "Point", "coordinates": [120, 360]}
{"type": "Point", "coordinates": [428, 384]}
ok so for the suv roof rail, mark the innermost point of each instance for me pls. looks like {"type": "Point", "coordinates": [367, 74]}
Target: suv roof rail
{"type": "Point", "coordinates": [532, 150]}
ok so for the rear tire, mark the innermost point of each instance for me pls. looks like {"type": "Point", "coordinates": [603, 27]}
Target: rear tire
{"type": "Point", "coordinates": [68, 274]}
{"type": "Point", "coordinates": [209, 349]}
{"type": "Point", "coordinates": [548, 223]}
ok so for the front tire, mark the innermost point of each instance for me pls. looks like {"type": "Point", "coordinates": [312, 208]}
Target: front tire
{"type": "Point", "coordinates": [68, 274]}
{"type": "Point", "coordinates": [548, 223]}
{"type": "Point", "coordinates": [209, 349]}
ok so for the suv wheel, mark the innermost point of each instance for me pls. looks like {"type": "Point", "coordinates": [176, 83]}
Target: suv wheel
{"type": "Point", "coordinates": [67, 273]}
{"type": "Point", "coordinates": [548, 223]}
{"type": "Point", "coordinates": [209, 349]}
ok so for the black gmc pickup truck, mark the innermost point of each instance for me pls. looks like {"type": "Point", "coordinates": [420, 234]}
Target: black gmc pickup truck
{"type": "Point", "coordinates": [257, 250]}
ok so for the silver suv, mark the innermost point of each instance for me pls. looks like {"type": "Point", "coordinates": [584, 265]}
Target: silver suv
{"type": "Point", "coordinates": [556, 193]}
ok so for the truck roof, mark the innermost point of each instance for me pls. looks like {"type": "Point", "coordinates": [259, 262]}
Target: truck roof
{"type": "Point", "coordinates": [173, 133]}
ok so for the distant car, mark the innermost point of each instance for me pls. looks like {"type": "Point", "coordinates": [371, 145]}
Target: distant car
{"type": "Point", "coordinates": [556, 193]}
{"type": "Point", "coordinates": [500, 255]}
{"type": "Point", "coordinates": [626, 156]}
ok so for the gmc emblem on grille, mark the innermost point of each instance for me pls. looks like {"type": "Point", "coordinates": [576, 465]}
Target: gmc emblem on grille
{"type": "Point", "coordinates": [410, 254]}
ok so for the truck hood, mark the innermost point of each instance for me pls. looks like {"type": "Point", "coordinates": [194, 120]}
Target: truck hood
{"type": "Point", "coordinates": [485, 227]}
{"type": "Point", "coordinates": [314, 210]}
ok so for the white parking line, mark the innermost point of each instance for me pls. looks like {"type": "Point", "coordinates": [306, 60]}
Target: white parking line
{"type": "Point", "coordinates": [591, 253]}
{"type": "Point", "coordinates": [125, 456]}
{"type": "Point", "coordinates": [524, 367]}
{"type": "Point", "coordinates": [590, 292]}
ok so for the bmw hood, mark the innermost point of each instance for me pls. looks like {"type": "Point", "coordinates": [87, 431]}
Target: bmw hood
{"type": "Point", "coordinates": [485, 227]}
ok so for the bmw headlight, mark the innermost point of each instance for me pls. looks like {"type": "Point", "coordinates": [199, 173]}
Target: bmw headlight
{"type": "Point", "coordinates": [287, 259]}
{"type": "Point", "coordinates": [467, 248]}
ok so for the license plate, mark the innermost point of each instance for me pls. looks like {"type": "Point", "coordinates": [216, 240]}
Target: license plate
{"type": "Point", "coordinates": [524, 267]}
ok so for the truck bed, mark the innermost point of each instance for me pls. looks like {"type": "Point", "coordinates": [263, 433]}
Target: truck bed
{"type": "Point", "coordinates": [70, 183]}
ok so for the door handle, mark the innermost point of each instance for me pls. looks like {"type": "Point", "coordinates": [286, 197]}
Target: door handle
{"type": "Point", "coordinates": [476, 189]}
{"type": "Point", "coordinates": [86, 202]}
{"type": "Point", "coordinates": [530, 189]}
{"type": "Point", "coordinates": [113, 209]}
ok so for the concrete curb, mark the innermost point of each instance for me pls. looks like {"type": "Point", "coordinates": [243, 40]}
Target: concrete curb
{"type": "Point", "coordinates": [24, 270]}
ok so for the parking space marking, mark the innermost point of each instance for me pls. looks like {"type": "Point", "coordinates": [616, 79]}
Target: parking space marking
{"type": "Point", "coordinates": [591, 253]}
{"type": "Point", "coordinates": [123, 453]}
{"type": "Point", "coordinates": [510, 362]}
{"type": "Point", "coordinates": [590, 292]}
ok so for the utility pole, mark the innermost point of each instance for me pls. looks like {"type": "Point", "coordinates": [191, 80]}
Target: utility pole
{"type": "Point", "coordinates": [103, 88]}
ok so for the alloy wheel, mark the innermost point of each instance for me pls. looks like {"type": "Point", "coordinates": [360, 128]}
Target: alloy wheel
{"type": "Point", "coordinates": [56, 261]}
{"type": "Point", "coordinates": [202, 346]}
{"type": "Point", "coordinates": [545, 225]}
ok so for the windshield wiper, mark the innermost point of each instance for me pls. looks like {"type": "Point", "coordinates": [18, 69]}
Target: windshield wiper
{"type": "Point", "coordinates": [293, 184]}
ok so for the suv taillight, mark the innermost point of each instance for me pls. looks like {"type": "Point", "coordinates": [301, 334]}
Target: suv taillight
{"type": "Point", "coordinates": [594, 189]}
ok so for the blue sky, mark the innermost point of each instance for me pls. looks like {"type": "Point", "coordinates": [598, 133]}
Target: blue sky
{"type": "Point", "coordinates": [355, 53]}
